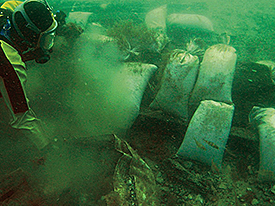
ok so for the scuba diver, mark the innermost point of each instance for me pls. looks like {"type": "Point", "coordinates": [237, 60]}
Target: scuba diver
{"type": "Point", "coordinates": [28, 32]}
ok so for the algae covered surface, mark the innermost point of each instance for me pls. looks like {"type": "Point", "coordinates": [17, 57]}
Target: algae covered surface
{"type": "Point", "coordinates": [106, 147]}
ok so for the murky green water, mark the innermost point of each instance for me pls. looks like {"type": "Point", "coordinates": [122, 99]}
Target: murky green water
{"type": "Point", "coordinates": [95, 86]}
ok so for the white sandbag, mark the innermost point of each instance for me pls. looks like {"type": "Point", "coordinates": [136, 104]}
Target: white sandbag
{"type": "Point", "coordinates": [264, 120]}
{"type": "Point", "coordinates": [215, 76]}
{"type": "Point", "coordinates": [156, 19]}
{"type": "Point", "coordinates": [79, 18]}
{"type": "Point", "coordinates": [130, 84]}
{"type": "Point", "coordinates": [177, 83]}
{"type": "Point", "coordinates": [109, 102]}
{"type": "Point", "coordinates": [207, 133]}
{"type": "Point", "coordinates": [191, 21]}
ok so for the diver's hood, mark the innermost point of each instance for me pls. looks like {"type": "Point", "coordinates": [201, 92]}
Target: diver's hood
{"type": "Point", "coordinates": [36, 17]}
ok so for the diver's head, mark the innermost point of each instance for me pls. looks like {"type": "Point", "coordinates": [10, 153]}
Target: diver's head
{"type": "Point", "coordinates": [34, 23]}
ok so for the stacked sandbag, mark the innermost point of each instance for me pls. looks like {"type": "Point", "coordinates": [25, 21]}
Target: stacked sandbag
{"type": "Point", "coordinates": [190, 21]}
{"type": "Point", "coordinates": [156, 20]}
{"type": "Point", "coordinates": [130, 84]}
{"type": "Point", "coordinates": [211, 104]}
{"type": "Point", "coordinates": [215, 76]}
{"type": "Point", "coordinates": [182, 27]}
{"type": "Point", "coordinates": [264, 120]}
{"type": "Point", "coordinates": [176, 84]}
{"type": "Point", "coordinates": [109, 100]}
{"type": "Point", "coordinates": [207, 133]}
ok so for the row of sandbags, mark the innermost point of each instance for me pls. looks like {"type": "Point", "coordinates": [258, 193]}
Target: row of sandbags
{"type": "Point", "coordinates": [201, 94]}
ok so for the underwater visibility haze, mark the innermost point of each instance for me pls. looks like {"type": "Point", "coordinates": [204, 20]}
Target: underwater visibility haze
{"type": "Point", "coordinates": [150, 103]}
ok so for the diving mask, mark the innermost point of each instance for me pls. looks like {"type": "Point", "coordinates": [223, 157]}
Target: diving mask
{"type": "Point", "coordinates": [39, 19]}
{"type": "Point", "coordinates": [46, 39]}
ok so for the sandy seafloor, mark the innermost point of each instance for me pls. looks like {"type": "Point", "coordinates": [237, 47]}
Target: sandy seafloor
{"type": "Point", "coordinates": [79, 166]}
